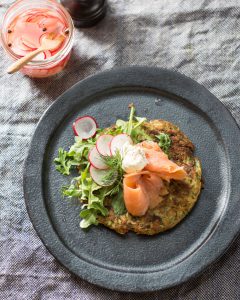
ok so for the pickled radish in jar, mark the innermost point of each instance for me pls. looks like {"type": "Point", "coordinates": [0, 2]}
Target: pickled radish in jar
{"type": "Point", "coordinates": [27, 30]}
{"type": "Point", "coordinates": [24, 26]}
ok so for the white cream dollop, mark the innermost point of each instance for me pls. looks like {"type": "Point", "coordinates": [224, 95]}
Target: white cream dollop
{"type": "Point", "coordinates": [133, 158]}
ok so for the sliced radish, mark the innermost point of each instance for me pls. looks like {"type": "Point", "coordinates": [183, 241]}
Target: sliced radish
{"type": "Point", "coordinates": [118, 141]}
{"type": "Point", "coordinates": [96, 159]}
{"type": "Point", "coordinates": [85, 127]}
{"type": "Point", "coordinates": [19, 43]}
{"type": "Point", "coordinates": [19, 52]}
{"type": "Point", "coordinates": [99, 176]}
{"type": "Point", "coordinates": [103, 144]}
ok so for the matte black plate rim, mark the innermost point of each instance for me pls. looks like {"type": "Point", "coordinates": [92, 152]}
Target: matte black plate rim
{"type": "Point", "coordinates": [132, 281]}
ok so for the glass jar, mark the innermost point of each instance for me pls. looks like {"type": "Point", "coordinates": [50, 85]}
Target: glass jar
{"type": "Point", "coordinates": [47, 65]}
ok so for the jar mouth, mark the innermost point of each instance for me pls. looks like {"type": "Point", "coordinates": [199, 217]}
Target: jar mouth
{"type": "Point", "coordinates": [52, 59]}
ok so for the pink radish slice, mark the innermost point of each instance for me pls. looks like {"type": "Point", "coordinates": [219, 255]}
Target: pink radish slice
{"type": "Point", "coordinates": [19, 43]}
{"type": "Point", "coordinates": [118, 141]}
{"type": "Point", "coordinates": [96, 159]}
{"type": "Point", "coordinates": [30, 44]}
{"type": "Point", "coordinates": [103, 144]}
{"type": "Point", "coordinates": [19, 51]}
{"type": "Point", "coordinates": [99, 176]}
{"type": "Point", "coordinates": [85, 127]}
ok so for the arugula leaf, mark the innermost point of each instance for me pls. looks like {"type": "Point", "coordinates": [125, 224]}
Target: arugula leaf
{"type": "Point", "coordinates": [85, 183]}
{"type": "Point", "coordinates": [97, 206]}
{"type": "Point", "coordinates": [95, 196]}
{"type": "Point", "coordinates": [71, 191]}
{"type": "Point", "coordinates": [80, 149]}
{"type": "Point", "coordinates": [118, 204]}
{"type": "Point", "coordinates": [86, 189]}
{"type": "Point", "coordinates": [164, 142]}
{"type": "Point", "coordinates": [89, 214]}
{"type": "Point", "coordinates": [76, 156]}
{"type": "Point", "coordinates": [122, 125]}
{"type": "Point", "coordinates": [89, 217]}
{"type": "Point", "coordinates": [63, 162]}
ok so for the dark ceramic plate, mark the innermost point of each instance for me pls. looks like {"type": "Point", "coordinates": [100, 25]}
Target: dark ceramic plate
{"type": "Point", "coordinates": [132, 262]}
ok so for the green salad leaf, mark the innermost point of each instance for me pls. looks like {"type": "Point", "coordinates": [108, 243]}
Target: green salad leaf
{"type": "Point", "coordinates": [92, 195]}
{"type": "Point", "coordinates": [89, 217]}
{"type": "Point", "coordinates": [63, 162]}
{"type": "Point", "coordinates": [76, 156]}
{"type": "Point", "coordinates": [80, 149]}
{"type": "Point", "coordinates": [72, 190]}
{"type": "Point", "coordinates": [118, 203]}
{"type": "Point", "coordinates": [122, 125]}
{"type": "Point", "coordinates": [95, 205]}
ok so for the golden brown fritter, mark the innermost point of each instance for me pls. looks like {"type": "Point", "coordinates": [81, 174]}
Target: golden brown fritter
{"type": "Point", "coordinates": [182, 194]}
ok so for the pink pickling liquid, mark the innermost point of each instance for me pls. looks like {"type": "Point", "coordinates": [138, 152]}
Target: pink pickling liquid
{"type": "Point", "coordinates": [26, 31]}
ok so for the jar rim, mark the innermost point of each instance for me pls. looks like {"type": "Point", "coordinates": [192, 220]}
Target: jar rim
{"type": "Point", "coordinates": [55, 57]}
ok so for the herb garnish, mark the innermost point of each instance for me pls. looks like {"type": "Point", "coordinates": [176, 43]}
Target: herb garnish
{"type": "Point", "coordinates": [114, 164]}
{"type": "Point", "coordinates": [164, 142]}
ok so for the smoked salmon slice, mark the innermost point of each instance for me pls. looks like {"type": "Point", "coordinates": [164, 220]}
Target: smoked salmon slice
{"type": "Point", "coordinates": [135, 196]}
{"type": "Point", "coordinates": [142, 191]}
{"type": "Point", "coordinates": [155, 188]}
{"type": "Point", "coordinates": [158, 162]}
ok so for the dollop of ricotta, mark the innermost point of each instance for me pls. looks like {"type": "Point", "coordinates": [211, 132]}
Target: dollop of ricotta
{"type": "Point", "coordinates": [133, 158]}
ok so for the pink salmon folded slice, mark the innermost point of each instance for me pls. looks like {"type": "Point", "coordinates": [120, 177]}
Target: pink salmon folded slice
{"type": "Point", "coordinates": [145, 189]}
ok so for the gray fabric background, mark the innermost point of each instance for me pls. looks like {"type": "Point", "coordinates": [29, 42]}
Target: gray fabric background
{"type": "Point", "coordinates": [198, 38]}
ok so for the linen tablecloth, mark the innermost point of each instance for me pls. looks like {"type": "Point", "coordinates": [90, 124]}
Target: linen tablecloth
{"type": "Point", "coordinates": [197, 38]}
